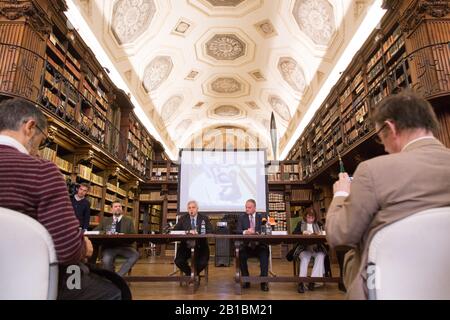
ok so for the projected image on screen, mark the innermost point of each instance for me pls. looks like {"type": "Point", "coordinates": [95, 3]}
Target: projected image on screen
{"type": "Point", "coordinates": [221, 181]}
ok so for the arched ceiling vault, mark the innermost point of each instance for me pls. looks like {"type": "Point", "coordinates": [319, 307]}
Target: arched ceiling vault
{"type": "Point", "coordinates": [202, 64]}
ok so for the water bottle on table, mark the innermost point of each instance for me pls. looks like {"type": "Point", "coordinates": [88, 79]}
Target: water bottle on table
{"type": "Point", "coordinates": [203, 228]}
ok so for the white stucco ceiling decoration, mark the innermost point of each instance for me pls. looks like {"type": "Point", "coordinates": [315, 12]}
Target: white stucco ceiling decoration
{"type": "Point", "coordinates": [227, 8]}
{"type": "Point", "coordinates": [227, 47]}
{"type": "Point", "coordinates": [266, 28]}
{"type": "Point", "coordinates": [230, 86]}
{"type": "Point", "coordinates": [196, 65]}
{"type": "Point", "coordinates": [280, 107]}
{"type": "Point", "coordinates": [226, 111]}
{"type": "Point", "coordinates": [157, 72]}
{"type": "Point", "coordinates": [292, 73]}
{"type": "Point", "coordinates": [131, 18]}
{"type": "Point", "coordinates": [171, 107]}
{"type": "Point", "coordinates": [315, 18]}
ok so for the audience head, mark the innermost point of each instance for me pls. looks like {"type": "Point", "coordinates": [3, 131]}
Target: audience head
{"type": "Point", "coordinates": [24, 122]}
{"type": "Point", "coordinates": [116, 208]}
{"type": "Point", "coordinates": [401, 118]}
{"type": "Point", "coordinates": [192, 208]}
{"type": "Point", "coordinates": [310, 215]}
{"type": "Point", "coordinates": [83, 189]}
{"type": "Point", "coordinates": [250, 206]}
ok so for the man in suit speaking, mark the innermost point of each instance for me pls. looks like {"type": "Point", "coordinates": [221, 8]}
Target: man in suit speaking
{"type": "Point", "coordinates": [192, 222]}
{"type": "Point", "coordinates": [415, 176]}
{"type": "Point", "coordinates": [248, 224]}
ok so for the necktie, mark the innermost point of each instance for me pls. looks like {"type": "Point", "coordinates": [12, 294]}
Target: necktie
{"type": "Point", "coordinates": [193, 224]}
{"type": "Point", "coordinates": [252, 222]}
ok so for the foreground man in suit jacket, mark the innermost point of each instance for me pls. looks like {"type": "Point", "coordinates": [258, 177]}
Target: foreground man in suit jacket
{"type": "Point", "coordinates": [192, 222]}
{"type": "Point", "coordinates": [250, 223]}
{"type": "Point", "coordinates": [415, 176]}
{"type": "Point", "coordinates": [122, 224]}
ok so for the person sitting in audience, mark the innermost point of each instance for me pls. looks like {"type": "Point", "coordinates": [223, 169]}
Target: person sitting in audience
{"type": "Point", "coordinates": [250, 223]}
{"type": "Point", "coordinates": [81, 205]}
{"type": "Point", "coordinates": [415, 176]}
{"type": "Point", "coordinates": [309, 226]}
{"type": "Point", "coordinates": [35, 187]}
{"type": "Point", "coordinates": [118, 223]}
{"type": "Point", "coordinates": [192, 223]}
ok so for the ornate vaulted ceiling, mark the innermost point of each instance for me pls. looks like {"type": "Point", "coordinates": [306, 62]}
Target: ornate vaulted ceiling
{"type": "Point", "coordinates": [208, 68]}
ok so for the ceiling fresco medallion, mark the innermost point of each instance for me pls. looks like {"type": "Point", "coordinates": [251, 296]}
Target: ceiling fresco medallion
{"type": "Point", "coordinates": [226, 111]}
{"type": "Point", "coordinates": [292, 73]}
{"type": "Point", "coordinates": [280, 107]}
{"type": "Point", "coordinates": [225, 3]}
{"type": "Point", "coordinates": [131, 18]}
{"type": "Point", "coordinates": [316, 19]}
{"type": "Point", "coordinates": [226, 85]}
{"type": "Point", "coordinates": [171, 107]}
{"type": "Point", "coordinates": [157, 72]}
{"type": "Point", "coordinates": [225, 47]}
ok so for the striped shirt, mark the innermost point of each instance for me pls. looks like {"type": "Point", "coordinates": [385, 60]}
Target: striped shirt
{"type": "Point", "coordinates": [36, 188]}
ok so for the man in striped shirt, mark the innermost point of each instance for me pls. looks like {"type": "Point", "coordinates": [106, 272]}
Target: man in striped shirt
{"type": "Point", "coordinates": [36, 188]}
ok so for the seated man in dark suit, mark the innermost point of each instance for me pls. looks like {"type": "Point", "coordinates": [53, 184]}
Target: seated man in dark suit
{"type": "Point", "coordinates": [118, 223]}
{"type": "Point", "coordinates": [250, 223]}
{"type": "Point", "coordinates": [192, 222]}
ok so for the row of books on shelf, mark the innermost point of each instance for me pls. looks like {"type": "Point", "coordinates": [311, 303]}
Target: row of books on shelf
{"type": "Point", "coordinates": [373, 60]}
{"type": "Point", "coordinates": [111, 187]}
{"type": "Point", "coordinates": [151, 196]}
{"type": "Point", "coordinates": [64, 164]}
{"type": "Point", "coordinates": [96, 191]}
{"type": "Point", "coordinates": [278, 216]}
{"type": "Point", "coordinates": [392, 38]}
{"type": "Point", "coordinates": [277, 206]}
{"type": "Point", "coordinates": [139, 165]}
{"type": "Point", "coordinates": [95, 203]}
{"type": "Point", "coordinates": [121, 192]}
{"type": "Point", "coordinates": [96, 179]}
{"type": "Point", "coordinates": [110, 197]}
{"type": "Point", "coordinates": [172, 197]}
{"type": "Point", "coordinates": [276, 197]}
{"type": "Point", "coordinates": [392, 51]}
{"type": "Point", "coordinates": [48, 154]}
{"type": "Point", "coordinates": [54, 40]}
{"type": "Point", "coordinates": [301, 195]}
{"type": "Point", "coordinates": [172, 206]}
{"type": "Point", "coordinates": [84, 172]}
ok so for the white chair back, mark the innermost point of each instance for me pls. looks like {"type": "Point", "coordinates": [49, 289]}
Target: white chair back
{"type": "Point", "coordinates": [28, 264]}
{"type": "Point", "coordinates": [410, 259]}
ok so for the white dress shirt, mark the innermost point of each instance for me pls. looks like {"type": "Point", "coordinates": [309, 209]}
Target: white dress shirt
{"type": "Point", "coordinates": [11, 142]}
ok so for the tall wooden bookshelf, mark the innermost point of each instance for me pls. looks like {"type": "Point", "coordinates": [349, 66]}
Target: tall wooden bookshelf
{"type": "Point", "coordinates": [410, 49]}
{"type": "Point", "coordinates": [97, 138]}
{"type": "Point", "coordinates": [381, 67]}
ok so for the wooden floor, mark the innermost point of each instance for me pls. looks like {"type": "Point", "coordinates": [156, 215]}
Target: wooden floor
{"type": "Point", "coordinates": [221, 284]}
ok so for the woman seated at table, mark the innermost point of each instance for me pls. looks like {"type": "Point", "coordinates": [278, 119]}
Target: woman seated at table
{"type": "Point", "coordinates": [309, 226]}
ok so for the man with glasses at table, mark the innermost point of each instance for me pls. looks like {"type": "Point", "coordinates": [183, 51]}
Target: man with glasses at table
{"type": "Point", "coordinates": [414, 176]}
{"type": "Point", "coordinates": [35, 187]}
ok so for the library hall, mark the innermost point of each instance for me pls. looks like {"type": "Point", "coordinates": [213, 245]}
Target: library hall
{"type": "Point", "coordinates": [260, 152]}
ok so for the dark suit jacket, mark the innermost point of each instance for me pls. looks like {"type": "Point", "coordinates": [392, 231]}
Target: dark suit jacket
{"type": "Point", "coordinates": [244, 222]}
{"type": "Point", "coordinates": [126, 225]}
{"type": "Point", "coordinates": [184, 223]}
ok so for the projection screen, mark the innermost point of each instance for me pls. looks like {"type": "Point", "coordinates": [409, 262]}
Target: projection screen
{"type": "Point", "coordinates": [221, 181]}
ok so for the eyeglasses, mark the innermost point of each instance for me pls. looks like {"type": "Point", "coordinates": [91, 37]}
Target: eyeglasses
{"type": "Point", "coordinates": [377, 133]}
{"type": "Point", "coordinates": [46, 142]}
